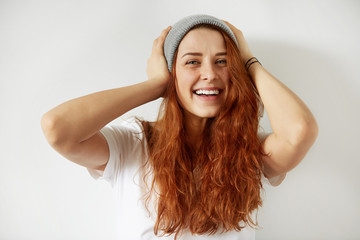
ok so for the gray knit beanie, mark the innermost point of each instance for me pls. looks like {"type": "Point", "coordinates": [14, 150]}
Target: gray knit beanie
{"type": "Point", "coordinates": [179, 30]}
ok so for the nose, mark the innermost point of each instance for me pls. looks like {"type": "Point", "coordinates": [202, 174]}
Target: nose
{"type": "Point", "coordinates": [208, 71]}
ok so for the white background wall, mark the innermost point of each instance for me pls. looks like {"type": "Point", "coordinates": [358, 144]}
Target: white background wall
{"type": "Point", "coordinates": [52, 51]}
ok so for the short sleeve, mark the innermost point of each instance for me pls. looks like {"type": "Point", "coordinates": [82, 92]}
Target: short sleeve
{"type": "Point", "coordinates": [124, 142]}
{"type": "Point", "coordinates": [274, 181]}
{"type": "Point", "coordinates": [262, 134]}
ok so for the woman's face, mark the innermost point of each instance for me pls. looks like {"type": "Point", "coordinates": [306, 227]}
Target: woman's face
{"type": "Point", "coordinates": [202, 76]}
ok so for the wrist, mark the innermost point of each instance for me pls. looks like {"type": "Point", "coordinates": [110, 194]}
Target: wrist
{"type": "Point", "coordinates": [250, 62]}
{"type": "Point", "coordinates": [158, 82]}
{"type": "Point", "coordinates": [246, 57]}
{"type": "Point", "coordinates": [158, 85]}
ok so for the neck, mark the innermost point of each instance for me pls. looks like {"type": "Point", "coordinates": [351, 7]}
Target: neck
{"type": "Point", "coordinates": [194, 129]}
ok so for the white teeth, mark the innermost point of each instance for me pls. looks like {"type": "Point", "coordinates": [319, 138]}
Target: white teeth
{"type": "Point", "coordinates": [207, 92]}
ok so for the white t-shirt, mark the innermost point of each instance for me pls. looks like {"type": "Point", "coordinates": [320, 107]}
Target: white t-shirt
{"type": "Point", "coordinates": [123, 171]}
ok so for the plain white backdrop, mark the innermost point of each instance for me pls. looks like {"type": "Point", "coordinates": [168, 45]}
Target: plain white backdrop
{"type": "Point", "coordinates": [53, 51]}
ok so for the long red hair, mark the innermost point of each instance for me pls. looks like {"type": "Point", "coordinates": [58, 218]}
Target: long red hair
{"type": "Point", "coordinates": [219, 186]}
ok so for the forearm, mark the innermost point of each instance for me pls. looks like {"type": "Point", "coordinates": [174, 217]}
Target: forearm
{"type": "Point", "coordinates": [289, 117]}
{"type": "Point", "coordinates": [78, 119]}
{"type": "Point", "coordinates": [294, 127]}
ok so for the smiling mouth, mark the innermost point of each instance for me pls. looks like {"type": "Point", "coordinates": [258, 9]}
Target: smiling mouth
{"type": "Point", "coordinates": [202, 92]}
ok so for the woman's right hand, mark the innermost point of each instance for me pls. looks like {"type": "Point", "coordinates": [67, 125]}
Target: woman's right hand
{"type": "Point", "coordinates": [157, 68]}
{"type": "Point", "coordinates": [72, 128]}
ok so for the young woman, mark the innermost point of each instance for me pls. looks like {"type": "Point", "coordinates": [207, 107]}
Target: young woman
{"type": "Point", "coordinates": [198, 171]}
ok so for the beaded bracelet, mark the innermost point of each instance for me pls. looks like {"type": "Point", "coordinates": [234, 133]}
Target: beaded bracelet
{"type": "Point", "coordinates": [249, 63]}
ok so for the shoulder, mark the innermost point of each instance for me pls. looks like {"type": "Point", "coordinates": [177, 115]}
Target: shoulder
{"type": "Point", "coordinates": [133, 123]}
{"type": "Point", "coordinates": [130, 126]}
{"type": "Point", "coordinates": [125, 136]}
{"type": "Point", "coordinates": [276, 180]}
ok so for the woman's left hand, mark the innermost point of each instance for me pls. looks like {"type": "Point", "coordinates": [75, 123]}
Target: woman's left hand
{"type": "Point", "coordinates": [243, 46]}
{"type": "Point", "coordinates": [295, 128]}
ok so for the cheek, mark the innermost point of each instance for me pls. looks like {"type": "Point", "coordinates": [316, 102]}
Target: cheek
{"type": "Point", "coordinates": [187, 75]}
{"type": "Point", "coordinates": [180, 95]}
{"type": "Point", "coordinates": [226, 76]}
{"type": "Point", "coordinates": [226, 81]}
{"type": "Point", "coordinates": [185, 81]}
{"type": "Point", "coordinates": [182, 89]}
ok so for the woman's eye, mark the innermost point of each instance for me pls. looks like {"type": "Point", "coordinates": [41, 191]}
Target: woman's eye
{"type": "Point", "coordinates": [192, 62]}
{"type": "Point", "coordinates": [223, 61]}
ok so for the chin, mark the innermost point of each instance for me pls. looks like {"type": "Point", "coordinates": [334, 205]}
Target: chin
{"type": "Point", "coordinates": [203, 112]}
{"type": "Point", "coordinates": [207, 114]}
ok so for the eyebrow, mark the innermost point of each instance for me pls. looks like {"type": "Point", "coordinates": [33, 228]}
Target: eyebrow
{"type": "Point", "coordinates": [200, 54]}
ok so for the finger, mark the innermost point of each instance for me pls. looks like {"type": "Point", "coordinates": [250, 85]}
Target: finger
{"type": "Point", "coordinates": [161, 38]}
{"type": "Point", "coordinates": [226, 22]}
{"type": "Point", "coordinates": [165, 32]}
{"type": "Point", "coordinates": [159, 42]}
{"type": "Point", "coordinates": [163, 35]}
{"type": "Point", "coordinates": [232, 27]}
